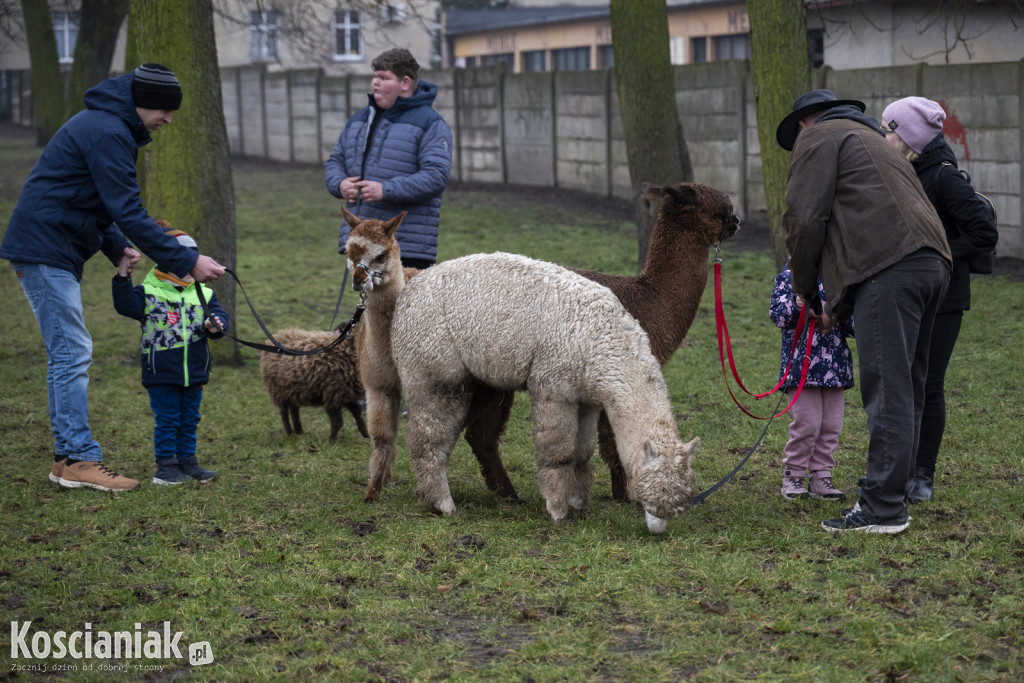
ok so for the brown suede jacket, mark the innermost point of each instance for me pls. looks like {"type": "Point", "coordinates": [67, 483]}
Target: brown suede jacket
{"type": "Point", "coordinates": [854, 207]}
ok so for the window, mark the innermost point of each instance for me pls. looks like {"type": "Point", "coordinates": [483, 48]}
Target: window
{"type": "Point", "coordinates": [699, 49]}
{"type": "Point", "coordinates": [571, 59]}
{"type": "Point", "coordinates": [263, 36]}
{"type": "Point", "coordinates": [348, 36]}
{"type": "Point", "coordinates": [504, 58]}
{"type": "Point", "coordinates": [65, 28]}
{"type": "Point", "coordinates": [392, 13]}
{"type": "Point", "coordinates": [734, 46]}
{"type": "Point", "coordinates": [436, 37]}
{"type": "Point", "coordinates": [605, 57]}
{"type": "Point", "coordinates": [816, 47]}
{"type": "Point", "coordinates": [535, 60]}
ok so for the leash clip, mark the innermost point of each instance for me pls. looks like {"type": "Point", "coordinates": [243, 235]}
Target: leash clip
{"type": "Point", "coordinates": [718, 258]}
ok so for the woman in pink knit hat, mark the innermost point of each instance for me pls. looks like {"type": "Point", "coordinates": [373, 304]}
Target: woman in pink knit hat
{"type": "Point", "coordinates": [914, 125]}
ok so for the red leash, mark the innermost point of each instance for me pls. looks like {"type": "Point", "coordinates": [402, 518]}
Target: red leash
{"type": "Point", "coordinates": [725, 348]}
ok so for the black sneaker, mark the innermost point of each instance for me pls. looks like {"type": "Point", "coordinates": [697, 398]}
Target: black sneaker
{"type": "Point", "coordinates": [856, 521]}
{"type": "Point", "coordinates": [168, 473]}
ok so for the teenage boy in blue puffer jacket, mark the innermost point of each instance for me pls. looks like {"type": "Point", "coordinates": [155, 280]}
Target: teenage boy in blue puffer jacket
{"type": "Point", "coordinates": [175, 359]}
{"type": "Point", "coordinates": [395, 155]}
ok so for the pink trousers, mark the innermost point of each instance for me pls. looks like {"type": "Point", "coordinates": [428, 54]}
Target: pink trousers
{"type": "Point", "coordinates": [814, 432]}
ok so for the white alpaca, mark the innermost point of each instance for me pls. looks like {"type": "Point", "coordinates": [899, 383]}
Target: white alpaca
{"type": "Point", "coordinates": [516, 323]}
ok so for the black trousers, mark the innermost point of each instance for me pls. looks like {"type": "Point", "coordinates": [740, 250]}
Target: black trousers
{"type": "Point", "coordinates": [933, 419]}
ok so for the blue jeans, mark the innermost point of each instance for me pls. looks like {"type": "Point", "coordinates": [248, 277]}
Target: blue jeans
{"type": "Point", "coordinates": [55, 296]}
{"type": "Point", "coordinates": [894, 312]}
{"type": "Point", "coordinates": [176, 411]}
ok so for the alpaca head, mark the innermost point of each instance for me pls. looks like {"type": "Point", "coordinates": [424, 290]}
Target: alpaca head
{"type": "Point", "coordinates": [663, 481]}
{"type": "Point", "coordinates": [698, 207]}
{"type": "Point", "coordinates": [373, 254]}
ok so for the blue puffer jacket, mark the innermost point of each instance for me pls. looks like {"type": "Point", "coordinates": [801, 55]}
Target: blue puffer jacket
{"type": "Point", "coordinates": [83, 184]}
{"type": "Point", "coordinates": [831, 361]}
{"type": "Point", "coordinates": [410, 155]}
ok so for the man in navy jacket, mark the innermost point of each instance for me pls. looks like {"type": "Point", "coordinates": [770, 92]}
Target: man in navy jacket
{"type": "Point", "coordinates": [83, 197]}
{"type": "Point", "coordinates": [395, 155]}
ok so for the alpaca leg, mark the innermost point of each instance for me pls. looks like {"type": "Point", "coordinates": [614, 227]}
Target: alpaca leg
{"type": "Point", "coordinates": [296, 422]}
{"type": "Point", "coordinates": [435, 420]}
{"type": "Point", "coordinates": [337, 422]}
{"type": "Point", "coordinates": [488, 414]}
{"type": "Point", "coordinates": [555, 428]}
{"type": "Point", "coordinates": [284, 419]}
{"type": "Point", "coordinates": [382, 411]}
{"type": "Point", "coordinates": [357, 413]}
{"type": "Point", "coordinates": [583, 470]}
{"type": "Point", "coordinates": [610, 454]}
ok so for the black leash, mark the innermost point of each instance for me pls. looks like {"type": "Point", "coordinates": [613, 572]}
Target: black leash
{"type": "Point", "coordinates": [337, 306]}
{"type": "Point", "coordinates": [736, 469]}
{"type": "Point", "coordinates": [277, 347]}
{"type": "Point", "coordinates": [344, 278]}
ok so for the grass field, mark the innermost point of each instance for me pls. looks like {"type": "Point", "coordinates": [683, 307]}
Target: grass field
{"type": "Point", "coordinates": [288, 574]}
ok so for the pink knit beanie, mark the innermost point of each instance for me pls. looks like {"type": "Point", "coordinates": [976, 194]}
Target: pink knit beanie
{"type": "Point", "coordinates": [917, 120]}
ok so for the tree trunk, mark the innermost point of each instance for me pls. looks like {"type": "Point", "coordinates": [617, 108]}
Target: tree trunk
{"type": "Point", "coordinates": [94, 50]}
{"type": "Point", "coordinates": [186, 172]}
{"type": "Point", "coordinates": [782, 72]}
{"type": "Point", "coordinates": [645, 84]}
{"type": "Point", "coordinates": [47, 86]}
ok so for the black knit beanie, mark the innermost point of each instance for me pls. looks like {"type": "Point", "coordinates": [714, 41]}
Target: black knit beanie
{"type": "Point", "coordinates": [156, 87]}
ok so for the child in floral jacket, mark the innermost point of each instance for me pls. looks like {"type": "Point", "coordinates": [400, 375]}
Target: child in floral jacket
{"type": "Point", "coordinates": [818, 411]}
{"type": "Point", "coordinates": [175, 359]}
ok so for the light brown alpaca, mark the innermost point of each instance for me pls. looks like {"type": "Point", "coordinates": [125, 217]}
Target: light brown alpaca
{"type": "Point", "coordinates": [377, 274]}
{"type": "Point", "coordinates": [375, 261]}
{"type": "Point", "coordinates": [663, 298]}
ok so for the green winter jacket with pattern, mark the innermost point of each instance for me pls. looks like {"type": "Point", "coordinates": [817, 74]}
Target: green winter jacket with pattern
{"type": "Point", "coordinates": [174, 347]}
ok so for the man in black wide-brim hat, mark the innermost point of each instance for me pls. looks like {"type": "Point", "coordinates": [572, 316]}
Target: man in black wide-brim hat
{"type": "Point", "coordinates": [858, 218]}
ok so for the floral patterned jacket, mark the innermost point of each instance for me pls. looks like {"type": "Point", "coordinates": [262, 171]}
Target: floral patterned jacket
{"type": "Point", "coordinates": [831, 359]}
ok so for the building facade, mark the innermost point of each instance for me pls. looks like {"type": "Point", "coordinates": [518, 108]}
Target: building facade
{"type": "Point", "coordinates": [534, 35]}
{"type": "Point", "coordinates": [340, 38]}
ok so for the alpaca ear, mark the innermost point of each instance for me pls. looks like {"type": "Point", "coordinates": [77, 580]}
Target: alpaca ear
{"type": "Point", "coordinates": [652, 192]}
{"type": "Point", "coordinates": [350, 218]}
{"type": "Point", "coordinates": [683, 193]}
{"type": "Point", "coordinates": [392, 225]}
{"type": "Point", "coordinates": [650, 453]}
{"type": "Point", "coordinates": [687, 451]}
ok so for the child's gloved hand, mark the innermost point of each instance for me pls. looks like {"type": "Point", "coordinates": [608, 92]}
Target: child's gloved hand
{"type": "Point", "coordinates": [214, 325]}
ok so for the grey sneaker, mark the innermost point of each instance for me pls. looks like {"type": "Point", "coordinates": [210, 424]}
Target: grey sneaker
{"type": "Point", "coordinates": [793, 484]}
{"type": "Point", "coordinates": [857, 521]}
{"type": "Point", "coordinates": [821, 487]}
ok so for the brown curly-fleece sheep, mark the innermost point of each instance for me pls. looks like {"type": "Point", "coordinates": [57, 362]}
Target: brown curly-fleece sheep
{"type": "Point", "coordinates": [329, 379]}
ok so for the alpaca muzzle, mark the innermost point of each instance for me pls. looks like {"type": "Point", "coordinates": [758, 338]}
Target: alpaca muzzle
{"type": "Point", "coordinates": [365, 278]}
{"type": "Point", "coordinates": [730, 226]}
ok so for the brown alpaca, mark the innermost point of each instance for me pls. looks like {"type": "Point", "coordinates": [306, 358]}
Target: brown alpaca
{"type": "Point", "coordinates": [663, 298]}
{"type": "Point", "coordinates": [329, 379]}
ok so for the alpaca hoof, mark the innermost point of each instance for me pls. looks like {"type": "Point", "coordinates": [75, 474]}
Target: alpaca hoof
{"type": "Point", "coordinates": [446, 507]}
{"type": "Point", "coordinates": [656, 525]}
{"type": "Point", "coordinates": [371, 496]}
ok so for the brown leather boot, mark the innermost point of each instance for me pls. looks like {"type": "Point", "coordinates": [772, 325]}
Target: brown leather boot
{"type": "Point", "coordinates": [95, 475]}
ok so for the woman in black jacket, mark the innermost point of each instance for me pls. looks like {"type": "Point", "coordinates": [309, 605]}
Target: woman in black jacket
{"type": "Point", "coordinates": [914, 125]}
